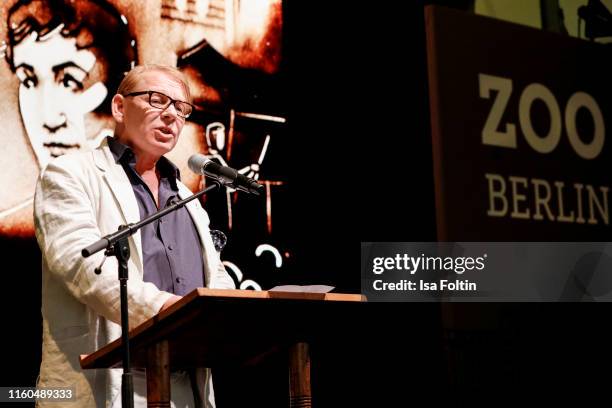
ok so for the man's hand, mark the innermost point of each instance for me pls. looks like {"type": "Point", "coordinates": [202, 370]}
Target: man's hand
{"type": "Point", "coordinates": [170, 302]}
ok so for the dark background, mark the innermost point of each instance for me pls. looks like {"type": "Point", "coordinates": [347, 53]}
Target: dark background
{"type": "Point", "coordinates": [371, 82]}
{"type": "Point", "coordinates": [358, 109]}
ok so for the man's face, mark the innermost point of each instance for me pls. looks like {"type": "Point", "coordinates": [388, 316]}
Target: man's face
{"type": "Point", "coordinates": [148, 130]}
{"type": "Point", "coordinates": [52, 97]}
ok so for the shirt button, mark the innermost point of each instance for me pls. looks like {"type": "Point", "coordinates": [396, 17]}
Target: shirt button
{"type": "Point", "coordinates": [178, 280]}
{"type": "Point", "coordinates": [170, 247]}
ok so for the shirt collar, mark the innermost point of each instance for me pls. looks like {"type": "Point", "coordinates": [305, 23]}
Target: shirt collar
{"type": "Point", "coordinates": [124, 154]}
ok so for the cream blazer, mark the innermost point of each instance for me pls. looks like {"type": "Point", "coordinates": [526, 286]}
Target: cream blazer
{"type": "Point", "coordinates": [80, 198]}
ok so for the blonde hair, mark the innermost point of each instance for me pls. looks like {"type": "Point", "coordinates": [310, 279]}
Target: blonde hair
{"type": "Point", "coordinates": [128, 84]}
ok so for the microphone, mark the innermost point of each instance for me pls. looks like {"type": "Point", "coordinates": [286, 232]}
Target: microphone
{"type": "Point", "coordinates": [198, 163]}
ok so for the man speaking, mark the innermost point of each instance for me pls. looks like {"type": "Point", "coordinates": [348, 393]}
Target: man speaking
{"type": "Point", "coordinates": [83, 196]}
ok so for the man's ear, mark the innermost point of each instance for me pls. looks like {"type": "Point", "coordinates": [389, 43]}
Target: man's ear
{"type": "Point", "coordinates": [117, 107]}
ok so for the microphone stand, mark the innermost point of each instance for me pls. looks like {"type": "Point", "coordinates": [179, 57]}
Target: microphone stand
{"type": "Point", "coordinates": [116, 244]}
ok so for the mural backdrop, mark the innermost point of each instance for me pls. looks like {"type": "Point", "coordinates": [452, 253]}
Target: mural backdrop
{"type": "Point", "coordinates": [63, 61]}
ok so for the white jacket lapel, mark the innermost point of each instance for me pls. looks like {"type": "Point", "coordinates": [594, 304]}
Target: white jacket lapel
{"type": "Point", "coordinates": [118, 182]}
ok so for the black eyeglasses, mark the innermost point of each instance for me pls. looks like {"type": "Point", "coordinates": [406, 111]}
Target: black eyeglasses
{"type": "Point", "coordinates": [160, 101]}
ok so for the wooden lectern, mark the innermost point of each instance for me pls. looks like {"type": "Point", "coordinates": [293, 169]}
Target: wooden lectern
{"type": "Point", "coordinates": [214, 327]}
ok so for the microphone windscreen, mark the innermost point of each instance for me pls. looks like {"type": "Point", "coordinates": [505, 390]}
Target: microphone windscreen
{"type": "Point", "coordinates": [196, 163]}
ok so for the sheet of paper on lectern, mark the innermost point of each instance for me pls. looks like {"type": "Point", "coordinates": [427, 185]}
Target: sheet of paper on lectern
{"type": "Point", "coordinates": [302, 288]}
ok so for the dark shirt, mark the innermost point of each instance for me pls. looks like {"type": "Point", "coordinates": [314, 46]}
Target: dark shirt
{"type": "Point", "coordinates": [171, 248]}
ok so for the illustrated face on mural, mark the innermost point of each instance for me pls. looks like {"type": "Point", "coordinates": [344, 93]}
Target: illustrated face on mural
{"type": "Point", "coordinates": [53, 96]}
{"type": "Point", "coordinates": [69, 56]}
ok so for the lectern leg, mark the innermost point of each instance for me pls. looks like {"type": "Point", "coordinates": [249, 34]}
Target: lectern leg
{"type": "Point", "coordinates": [299, 376]}
{"type": "Point", "coordinates": [158, 375]}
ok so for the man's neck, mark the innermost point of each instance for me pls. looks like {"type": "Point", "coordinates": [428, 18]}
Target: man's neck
{"type": "Point", "coordinates": [145, 164]}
